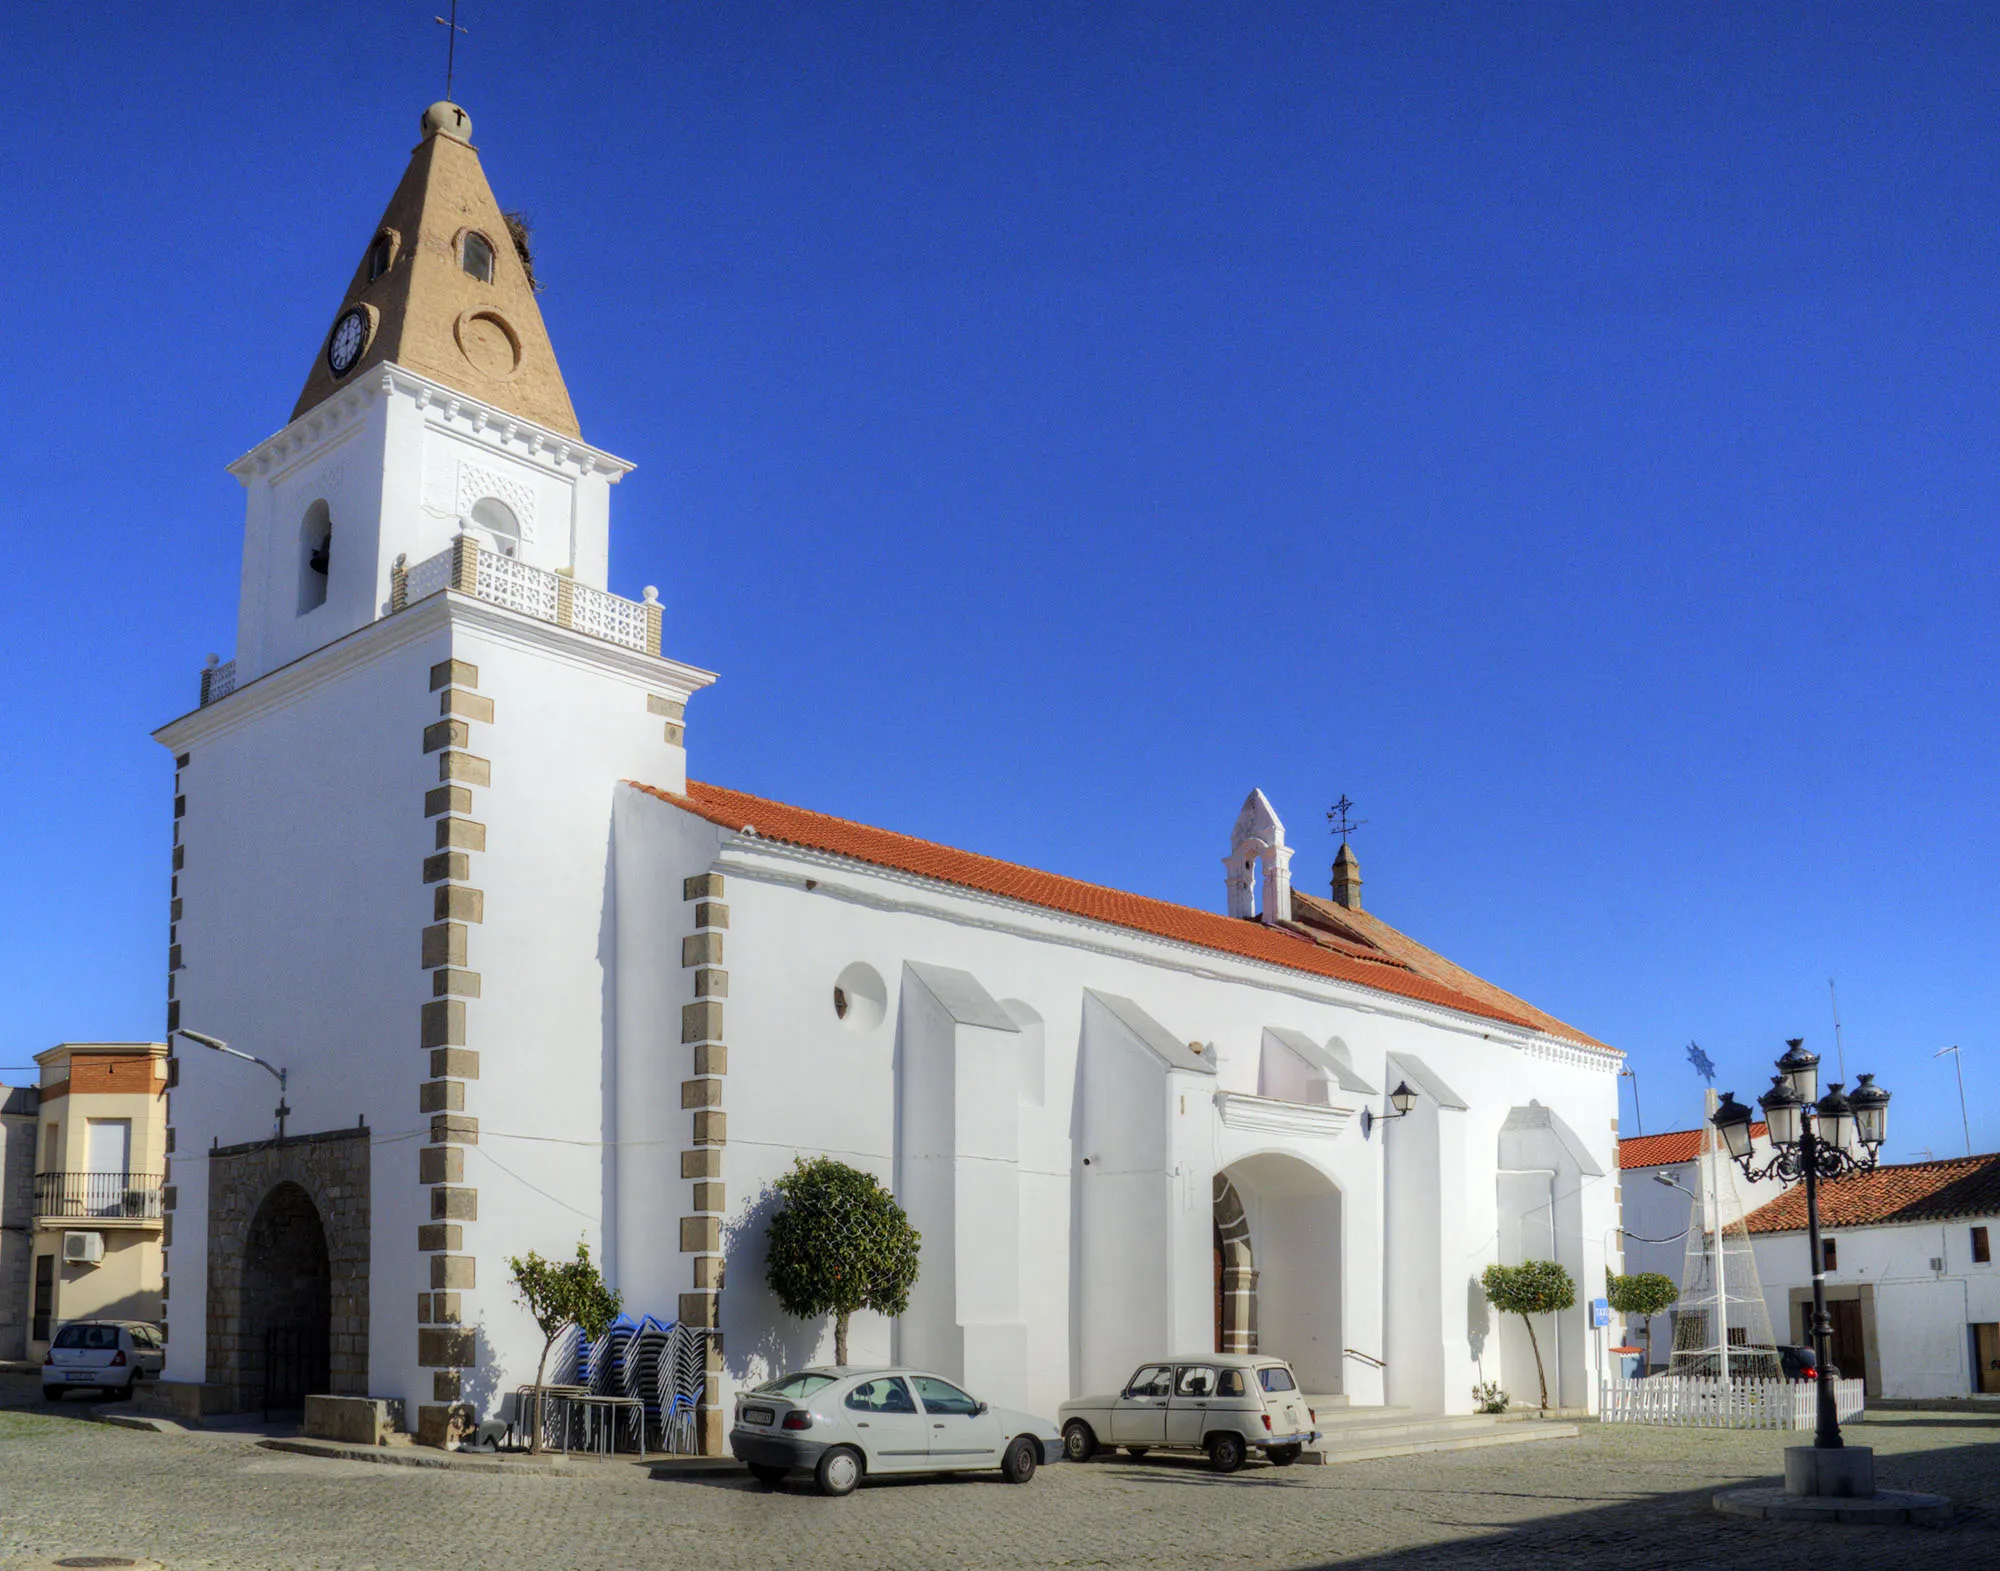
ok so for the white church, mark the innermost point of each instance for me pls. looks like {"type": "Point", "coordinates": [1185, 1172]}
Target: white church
{"type": "Point", "coordinates": [437, 857]}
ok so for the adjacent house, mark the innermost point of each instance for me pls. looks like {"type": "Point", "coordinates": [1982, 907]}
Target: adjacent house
{"type": "Point", "coordinates": [17, 1215]}
{"type": "Point", "coordinates": [99, 1149]}
{"type": "Point", "coordinates": [1910, 1281]}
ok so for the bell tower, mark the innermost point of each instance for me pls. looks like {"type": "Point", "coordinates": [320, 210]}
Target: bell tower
{"type": "Point", "coordinates": [433, 408]}
{"type": "Point", "coordinates": [393, 835]}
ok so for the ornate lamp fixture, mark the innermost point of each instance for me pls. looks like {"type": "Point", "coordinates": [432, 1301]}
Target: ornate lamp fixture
{"type": "Point", "coordinates": [1810, 1141]}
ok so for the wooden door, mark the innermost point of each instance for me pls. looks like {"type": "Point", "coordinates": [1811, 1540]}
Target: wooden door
{"type": "Point", "coordinates": [1986, 1359]}
{"type": "Point", "coordinates": [1848, 1355]}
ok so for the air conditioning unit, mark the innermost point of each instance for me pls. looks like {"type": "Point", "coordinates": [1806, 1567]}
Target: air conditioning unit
{"type": "Point", "coordinates": [83, 1249]}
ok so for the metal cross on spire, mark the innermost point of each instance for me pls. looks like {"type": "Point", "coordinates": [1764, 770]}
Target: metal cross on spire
{"type": "Point", "coordinates": [452, 30]}
{"type": "Point", "coordinates": [1339, 821]}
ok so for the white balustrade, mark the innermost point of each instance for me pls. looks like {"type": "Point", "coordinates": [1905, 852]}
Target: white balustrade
{"type": "Point", "coordinates": [605, 616]}
{"type": "Point", "coordinates": [510, 582]}
{"type": "Point", "coordinates": [427, 577]}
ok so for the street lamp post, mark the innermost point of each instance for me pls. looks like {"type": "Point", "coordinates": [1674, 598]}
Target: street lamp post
{"type": "Point", "coordinates": [220, 1046]}
{"type": "Point", "coordinates": [1813, 1140]}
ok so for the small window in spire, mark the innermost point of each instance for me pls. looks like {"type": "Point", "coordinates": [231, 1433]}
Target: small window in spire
{"type": "Point", "coordinates": [380, 254]}
{"type": "Point", "coordinates": [476, 256]}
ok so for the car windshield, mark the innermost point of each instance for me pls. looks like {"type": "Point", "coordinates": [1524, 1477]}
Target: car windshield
{"type": "Point", "coordinates": [795, 1386]}
{"type": "Point", "coordinates": [91, 1338]}
{"type": "Point", "coordinates": [1276, 1377]}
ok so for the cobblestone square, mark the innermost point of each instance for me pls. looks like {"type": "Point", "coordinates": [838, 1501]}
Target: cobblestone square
{"type": "Point", "coordinates": [1616, 1496]}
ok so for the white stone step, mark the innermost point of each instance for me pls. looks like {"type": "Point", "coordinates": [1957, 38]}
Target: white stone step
{"type": "Point", "coordinates": [1416, 1434]}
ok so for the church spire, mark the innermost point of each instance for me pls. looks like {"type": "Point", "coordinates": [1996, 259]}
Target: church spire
{"type": "Point", "coordinates": [445, 290]}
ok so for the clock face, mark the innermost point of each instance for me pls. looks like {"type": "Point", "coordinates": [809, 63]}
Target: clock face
{"type": "Point", "coordinates": [349, 334]}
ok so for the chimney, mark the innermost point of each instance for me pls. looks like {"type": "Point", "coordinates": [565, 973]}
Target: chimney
{"type": "Point", "coordinates": [1346, 879]}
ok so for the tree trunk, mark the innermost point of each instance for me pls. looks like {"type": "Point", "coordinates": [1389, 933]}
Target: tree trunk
{"type": "Point", "coordinates": [1540, 1375]}
{"type": "Point", "coordinates": [1647, 1329]}
{"type": "Point", "coordinates": [840, 1337]}
{"type": "Point", "coordinates": [535, 1434]}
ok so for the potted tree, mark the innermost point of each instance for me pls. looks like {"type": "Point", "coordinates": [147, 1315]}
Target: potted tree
{"type": "Point", "coordinates": [1534, 1287]}
{"type": "Point", "coordinates": [560, 1294]}
{"type": "Point", "coordinates": [840, 1243]}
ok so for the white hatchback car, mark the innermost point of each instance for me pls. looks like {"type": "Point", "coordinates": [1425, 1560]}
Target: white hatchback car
{"type": "Point", "coordinates": [1226, 1404]}
{"type": "Point", "coordinates": [101, 1355]}
{"type": "Point", "coordinates": [843, 1424]}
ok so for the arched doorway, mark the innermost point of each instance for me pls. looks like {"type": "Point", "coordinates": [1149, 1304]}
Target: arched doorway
{"type": "Point", "coordinates": [1235, 1273]}
{"type": "Point", "coordinates": [1278, 1250]}
{"type": "Point", "coordinates": [287, 1304]}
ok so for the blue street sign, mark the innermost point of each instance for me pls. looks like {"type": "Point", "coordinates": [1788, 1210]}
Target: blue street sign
{"type": "Point", "coordinates": [1600, 1312]}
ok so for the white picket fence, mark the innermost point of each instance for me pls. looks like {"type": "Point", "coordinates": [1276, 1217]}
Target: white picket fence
{"type": "Point", "coordinates": [1722, 1404]}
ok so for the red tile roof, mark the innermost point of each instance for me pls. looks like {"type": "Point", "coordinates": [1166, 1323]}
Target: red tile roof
{"type": "Point", "coordinates": [1361, 955]}
{"type": "Point", "coordinates": [1908, 1192]}
{"type": "Point", "coordinates": [1680, 1145]}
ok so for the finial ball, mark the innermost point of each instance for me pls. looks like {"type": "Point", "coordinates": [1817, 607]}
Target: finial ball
{"type": "Point", "coordinates": [447, 117]}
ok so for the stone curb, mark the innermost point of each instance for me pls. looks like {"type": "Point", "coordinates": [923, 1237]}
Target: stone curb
{"type": "Point", "coordinates": [685, 1466]}
{"type": "Point", "coordinates": [1884, 1508]}
{"type": "Point", "coordinates": [157, 1426]}
{"type": "Point", "coordinates": [422, 1456]}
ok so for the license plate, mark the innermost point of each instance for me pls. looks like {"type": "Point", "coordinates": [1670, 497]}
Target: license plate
{"type": "Point", "coordinates": [758, 1415]}
{"type": "Point", "coordinates": [80, 1374]}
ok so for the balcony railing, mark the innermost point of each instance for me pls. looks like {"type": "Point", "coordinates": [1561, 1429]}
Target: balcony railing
{"type": "Point", "coordinates": [471, 569]}
{"type": "Point", "coordinates": [98, 1197]}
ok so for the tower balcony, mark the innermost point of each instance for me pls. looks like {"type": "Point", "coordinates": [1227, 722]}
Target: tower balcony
{"type": "Point", "coordinates": [471, 569]}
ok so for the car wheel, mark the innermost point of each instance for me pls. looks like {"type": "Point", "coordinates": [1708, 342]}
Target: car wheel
{"type": "Point", "coordinates": [767, 1475]}
{"type": "Point", "coordinates": [839, 1471]}
{"type": "Point", "coordinates": [1079, 1444]}
{"type": "Point", "coordinates": [1225, 1452]}
{"type": "Point", "coordinates": [52, 1393]}
{"type": "Point", "coordinates": [1017, 1465]}
{"type": "Point", "coordinates": [1137, 1453]}
{"type": "Point", "coordinates": [1284, 1456]}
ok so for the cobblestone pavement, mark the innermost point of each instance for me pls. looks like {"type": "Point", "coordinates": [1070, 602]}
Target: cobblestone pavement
{"type": "Point", "coordinates": [1618, 1496]}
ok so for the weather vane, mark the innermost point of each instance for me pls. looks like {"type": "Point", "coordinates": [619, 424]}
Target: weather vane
{"type": "Point", "coordinates": [1339, 822]}
{"type": "Point", "coordinates": [452, 30]}
{"type": "Point", "coordinates": [1703, 1064]}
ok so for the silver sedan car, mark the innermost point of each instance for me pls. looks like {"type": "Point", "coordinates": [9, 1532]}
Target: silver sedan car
{"type": "Point", "coordinates": [844, 1424]}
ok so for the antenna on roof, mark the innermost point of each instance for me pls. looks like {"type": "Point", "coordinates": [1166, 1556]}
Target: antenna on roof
{"type": "Point", "coordinates": [451, 32]}
{"type": "Point", "coordinates": [1834, 993]}
{"type": "Point", "coordinates": [1638, 1118]}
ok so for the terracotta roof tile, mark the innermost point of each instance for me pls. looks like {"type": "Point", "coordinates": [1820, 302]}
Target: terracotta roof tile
{"type": "Point", "coordinates": [1665, 1150]}
{"type": "Point", "coordinates": [1907, 1192]}
{"type": "Point", "coordinates": [1365, 963]}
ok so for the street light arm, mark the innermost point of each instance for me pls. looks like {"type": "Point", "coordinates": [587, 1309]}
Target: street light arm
{"type": "Point", "coordinates": [223, 1047]}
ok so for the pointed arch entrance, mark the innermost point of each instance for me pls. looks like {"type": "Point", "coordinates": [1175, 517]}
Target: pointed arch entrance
{"type": "Point", "coordinates": [1278, 1263]}
{"type": "Point", "coordinates": [287, 1300]}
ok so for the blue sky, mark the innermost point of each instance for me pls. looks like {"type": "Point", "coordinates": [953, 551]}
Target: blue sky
{"type": "Point", "coordinates": [1568, 430]}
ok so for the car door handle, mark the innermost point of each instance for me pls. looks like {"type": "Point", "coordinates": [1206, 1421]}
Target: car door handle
{"type": "Point", "coordinates": [861, 1423]}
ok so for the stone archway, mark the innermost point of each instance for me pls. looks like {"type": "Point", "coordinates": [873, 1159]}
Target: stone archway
{"type": "Point", "coordinates": [288, 1245]}
{"type": "Point", "coordinates": [287, 1301]}
{"type": "Point", "coordinates": [1278, 1234]}
{"type": "Point", "coordinates": [1235, 1273]}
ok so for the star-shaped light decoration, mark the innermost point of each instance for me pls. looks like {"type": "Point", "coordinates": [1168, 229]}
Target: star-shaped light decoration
{"type": "Point", "coordinates": [1703, 1064]}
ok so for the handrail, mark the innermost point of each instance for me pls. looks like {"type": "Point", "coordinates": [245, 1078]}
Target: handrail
{"type": "Point", "coordinates": [1366, 1358]}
